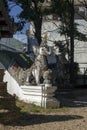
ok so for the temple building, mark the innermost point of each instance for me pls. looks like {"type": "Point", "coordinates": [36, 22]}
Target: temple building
{"type": "Point", "coordinates": [5, 22]}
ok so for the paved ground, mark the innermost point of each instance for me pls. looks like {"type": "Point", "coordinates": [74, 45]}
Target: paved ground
{"type": "Point", "coordinates": [74, 117]}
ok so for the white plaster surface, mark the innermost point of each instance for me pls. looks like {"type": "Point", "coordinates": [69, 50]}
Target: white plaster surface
{"type": "Point", "coordinates": [29, 94]}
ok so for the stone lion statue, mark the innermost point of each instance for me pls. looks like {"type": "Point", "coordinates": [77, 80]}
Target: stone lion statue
{"type": "Point", "coordinates": [40, 68]}
{"type": "Point", "coordinates": [39, 65]}
{"type": "Point", "coordinates": [39, 72]}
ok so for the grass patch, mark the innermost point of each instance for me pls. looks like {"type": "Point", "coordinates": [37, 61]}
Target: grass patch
{"type": "Point", "coordinates": [31, 108]}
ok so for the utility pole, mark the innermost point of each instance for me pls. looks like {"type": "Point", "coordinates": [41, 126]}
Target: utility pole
{"type": "Point", "coordinates": [71, 41]}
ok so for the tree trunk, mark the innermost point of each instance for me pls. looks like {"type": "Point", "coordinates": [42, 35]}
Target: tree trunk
{"type": "Point", "coordinates": [38, 28]}
{"type": "Point", "coordinates": [72, 42]}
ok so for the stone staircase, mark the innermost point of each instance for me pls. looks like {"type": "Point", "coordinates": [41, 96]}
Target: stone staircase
{"type": "Point", "coordinates": [8, 110]}
{"type": "Point", "coordinates": [42, 95]}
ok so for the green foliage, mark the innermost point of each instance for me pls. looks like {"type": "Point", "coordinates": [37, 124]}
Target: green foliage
{"type": "Point", "coordinates": [63, 9]}
{"type": "Point", "coordinates": [31, 108]}
{"type": "Point", "coordinates": [75, 68]}
{"type": "Point", "coordinates": [31, 8]}
{"type": "Point", "coordinates": [80, 36]}
{"type": "Point", "coordinates": [32, 11]}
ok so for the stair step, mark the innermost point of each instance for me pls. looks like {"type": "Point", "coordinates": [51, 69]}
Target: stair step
{"type": "Point", "coordinates": [3, 86]}
{"type": "Point", "coordinates": [9, 115]}
{"type": "Point", "coordinates": [7, 100]}
{"type": "Point", "coordinates": [8, 110]}
{"type": "Point", "coordinates": [3, 92]}
{"type": "Point", "coordinates": [1, 74]}
{"type": "Point", "coordinates": [8, 96]}
{"type": "Point", "coordinates": [15, 109]}
{"type": "Point", "coordinates": [31, 87]}
{"type": "Point", "coordinates": [7, 105]}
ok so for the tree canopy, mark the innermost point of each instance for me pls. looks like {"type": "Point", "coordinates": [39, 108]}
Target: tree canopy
{"type": "Point", "coordinates": [63, 9]}
{"type": "Point", "coordinates": [33, 10]}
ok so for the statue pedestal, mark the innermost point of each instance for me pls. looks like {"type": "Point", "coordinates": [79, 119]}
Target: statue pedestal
{"type": "Point", "coordinates": [52, 103]}
{"type": "Point", "coordinates": [48, 85]}
{"type": "Point", "coordinates": [48, 96]}
{"type": "Point", "coordinates": [41, 95]}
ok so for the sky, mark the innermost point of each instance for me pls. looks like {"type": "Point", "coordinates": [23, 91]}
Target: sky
{"type": "Point", "coordinates": [15, 11]}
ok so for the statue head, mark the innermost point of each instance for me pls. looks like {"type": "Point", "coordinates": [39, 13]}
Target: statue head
{"type": "Point", "coordinates": [42, 50]}
{"type": "Point", "coordinates": [56, 50]}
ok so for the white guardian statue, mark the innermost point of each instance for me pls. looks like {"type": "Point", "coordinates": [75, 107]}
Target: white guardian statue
{"type": "Point", "coordinates": [39, 69]}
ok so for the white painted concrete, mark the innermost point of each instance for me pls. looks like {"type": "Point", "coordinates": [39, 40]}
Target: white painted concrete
{"type": "Point", "coordinates": [37, 95]}
{"type": "Point", "coordinates": [13, 86]}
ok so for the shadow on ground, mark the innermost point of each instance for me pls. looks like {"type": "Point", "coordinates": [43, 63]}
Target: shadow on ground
{"type": "Point", "coordinates": [32, 119]}
{"type": "Point", "coordinates": [77, 98]}
{"type": "Point", "coordinates": [73, 98]}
